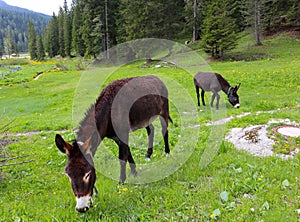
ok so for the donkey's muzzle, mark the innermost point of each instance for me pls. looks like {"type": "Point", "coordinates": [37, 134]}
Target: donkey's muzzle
{"type": "Point", "coordinates": [83, 204]}
{"type": "Point", "coordinates": [237, 105]}
{"type": "Point", "coordinates": [82, 210]}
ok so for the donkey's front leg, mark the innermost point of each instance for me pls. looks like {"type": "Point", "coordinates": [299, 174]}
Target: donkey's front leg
{"type": "Point", "coordinates": [123, 157]}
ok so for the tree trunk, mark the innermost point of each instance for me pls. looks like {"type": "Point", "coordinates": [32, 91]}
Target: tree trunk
{"type": "Point", "coordinates": [258, 22]}
{"type": "Point", "coordinates": [106, 32]}
{"type": "Point", "coordinates": [195, 27]}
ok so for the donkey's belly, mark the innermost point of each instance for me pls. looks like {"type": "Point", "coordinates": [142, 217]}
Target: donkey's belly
{"type": "Point", "coordinates": [141, 124]}
{"type": "Point", "coordinates": [144, 111]}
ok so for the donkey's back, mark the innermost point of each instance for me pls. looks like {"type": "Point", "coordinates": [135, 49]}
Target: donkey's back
{"type": "Point", "coordinates": [136, 102]}
{"type": "Point", "coordinates": [207, 81]}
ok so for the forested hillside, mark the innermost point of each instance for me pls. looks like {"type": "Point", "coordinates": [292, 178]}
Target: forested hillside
{"type": "Point", "coordinates": [14, 27]}
{"type": "Point", "coordinates": [92, 26]}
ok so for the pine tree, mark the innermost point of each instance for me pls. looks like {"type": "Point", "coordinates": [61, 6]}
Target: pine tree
{"type": "Point", "coordinates": [40, 49]}
{"type": "Point", "coordinates": [92, 33]}
{"type": "Point", "coordinates": [52, 37]}
{"type": "Point", "coordinates": [61, 32]}
{"type": "Point", "coordinates": [78, 45]}
{"type": "Point", "coordinates": [151, 19]}
{"type": "Point", "coordinates": [219, 30]}
{"type": "Point", "coordinates": [32, 41]}
{"type": "Point", "coordinates": [67, 29]}
{"type": "Point", "coordinates": [8, 43]}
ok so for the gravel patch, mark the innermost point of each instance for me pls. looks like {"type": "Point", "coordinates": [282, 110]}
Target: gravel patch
{"type": "Point", "coordinates": [255, 140]}
{"type": "Point", "coordinates": [252, 139]}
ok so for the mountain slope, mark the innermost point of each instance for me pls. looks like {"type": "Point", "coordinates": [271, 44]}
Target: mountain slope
{"type": "Point", "coordinates": [15, 20]}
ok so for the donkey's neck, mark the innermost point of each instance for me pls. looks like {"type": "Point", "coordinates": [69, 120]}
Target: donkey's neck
{"type": "Point", "coordinates": [225, 86]}
{"type": "Point", "coordinates": [87, 125]}
{"type": "Point", "coordinates": [87, 130]}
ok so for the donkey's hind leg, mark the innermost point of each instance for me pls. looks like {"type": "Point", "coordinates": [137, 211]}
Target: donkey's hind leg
{"type": "Point", "coordinates": [212, 100]}
{"type": "Point", "coordinates": [198, 95]}
{"type": "Point", "coordinates": [164, 124]}
{"type": "Point", "coordinates": [202, 97]}
{"type": "Point", "coordinates": [215, 95]}
{"type": "Point", "coordinates": [150, 132]}
{"type": "Point", "coordinates": [218, 100]}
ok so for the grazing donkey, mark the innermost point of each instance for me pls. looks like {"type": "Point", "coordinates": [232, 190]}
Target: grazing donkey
{"type": "Point", "coordinates": [123, 106]}
{"type": "Point", "coordinates": [214, 82]}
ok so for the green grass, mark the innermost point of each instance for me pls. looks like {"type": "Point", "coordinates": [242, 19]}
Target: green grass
{"type": "Point", "coordinates": [234, 185]}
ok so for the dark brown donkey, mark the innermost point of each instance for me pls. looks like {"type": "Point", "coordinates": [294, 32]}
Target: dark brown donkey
{"type": "Point", "coordinates": [123, 106]}
{"type": "Point", "coordinates": [214, 82]}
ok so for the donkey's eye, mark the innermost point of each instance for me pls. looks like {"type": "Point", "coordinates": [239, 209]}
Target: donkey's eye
{"type": "Point", "coordinates": [87, 176]}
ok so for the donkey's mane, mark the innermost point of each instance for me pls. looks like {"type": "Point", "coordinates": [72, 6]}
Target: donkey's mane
{"type": "Point", "coordinates": [221, 79]}
{"type": "Point", "coordinates": [223, 82]}
{"type": "Point", "coordinates": [87, 125]}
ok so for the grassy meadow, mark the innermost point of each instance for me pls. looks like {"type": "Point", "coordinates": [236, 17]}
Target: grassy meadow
{"type": "Point", "coordinates": [234, 186]}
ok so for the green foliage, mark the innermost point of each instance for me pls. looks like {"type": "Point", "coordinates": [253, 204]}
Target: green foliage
{"type": "Point", "coordinates": [40, 49]}
{"type": "Point", "coordinates": [219, 30]}
{"type": "Point", "coordinates": [77, 41]}
{"type": "Point", "coordinates": [67, 29]}
{"type": "Point", "coordinates": [32, 46]}
{"type": "Point", "coordinates": [152, 19]}
{"type": "Point", "coordinates": [52, 37]}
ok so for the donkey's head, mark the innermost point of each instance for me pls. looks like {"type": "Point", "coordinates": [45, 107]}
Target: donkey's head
{"type": "Point", "coordinates": [233, 97]}
{"type": "Point", "coordinates": [79, 170]}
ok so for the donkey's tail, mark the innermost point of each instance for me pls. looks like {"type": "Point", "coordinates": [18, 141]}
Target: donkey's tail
{"type": "Point", "coordinates": [169, 117]}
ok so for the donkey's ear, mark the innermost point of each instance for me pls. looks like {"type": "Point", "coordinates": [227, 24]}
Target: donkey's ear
{"type": "Point", "coordinates": [62, 145]}
{"type": "Point", "coordinates": [237, 87]}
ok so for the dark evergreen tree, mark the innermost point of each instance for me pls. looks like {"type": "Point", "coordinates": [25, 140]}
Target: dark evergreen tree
{"type": "Point", "coordinates": [15, 49]}
{"type": "Point", "coordinates": [219, 30]}
{"type": "Point", "coordinates": [294, 14]}
{"type": "Point", "coordinates": [8, 43]}
{"type": "Point", "coordinates": [91, 29]}
{"type": "Point", "coordinates": [32, 41]}
{"type": "Point", "coordinates": [78, 45]}
{"type": "Point", "coordinates": [67, 29]}
{"type": "Point", "coordinates": [151, 19]}
{"type": "Point", "coordinates": [52, 37]}
{"type": "Point", "coordinates": [40, 48]}
{"type": "Point", "coordinates": [61, 32]}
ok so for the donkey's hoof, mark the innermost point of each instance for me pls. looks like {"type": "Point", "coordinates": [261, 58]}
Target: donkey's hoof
{"type": "Point", "coordinates": [134, 173]}
{"type": "Point", "coordinates": [147, 159]}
